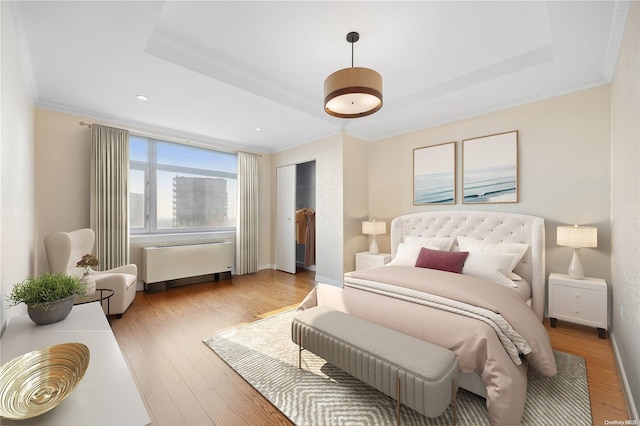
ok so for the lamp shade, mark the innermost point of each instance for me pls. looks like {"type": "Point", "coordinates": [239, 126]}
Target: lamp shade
{"type": "Point", "coordinates": [353, 92]}
{"type": "Point", "coordinates": [374, 228]}
{"type": "Point", "coordinates": [577, 236]}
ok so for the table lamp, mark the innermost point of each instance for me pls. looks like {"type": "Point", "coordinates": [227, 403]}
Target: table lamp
{"type": "Point", "coordinates": [374, 228]}
{"type": "Point", "coordinates": [577, 237]}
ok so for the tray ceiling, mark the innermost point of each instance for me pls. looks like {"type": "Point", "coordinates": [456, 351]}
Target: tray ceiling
{"type": "Point", "coordinates": [214, 71]}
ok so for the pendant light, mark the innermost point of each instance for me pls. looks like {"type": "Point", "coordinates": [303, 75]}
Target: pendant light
{"type": "Point", "coordinates": [353, 92]}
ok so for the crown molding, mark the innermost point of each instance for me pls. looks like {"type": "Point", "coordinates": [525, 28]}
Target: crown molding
{"type": "Point", "coordinates": [620, 12]}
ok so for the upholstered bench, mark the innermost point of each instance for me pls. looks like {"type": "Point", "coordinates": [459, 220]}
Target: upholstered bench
{"type": "Point", "coordinates": [416, 373]}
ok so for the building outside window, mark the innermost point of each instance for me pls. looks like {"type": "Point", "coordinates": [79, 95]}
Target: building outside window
{"type": "Point", "coordinates": [179, 188]}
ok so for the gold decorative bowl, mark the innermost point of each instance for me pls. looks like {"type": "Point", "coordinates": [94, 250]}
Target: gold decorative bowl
{"type": "Point", "coordinates": [38, 381]}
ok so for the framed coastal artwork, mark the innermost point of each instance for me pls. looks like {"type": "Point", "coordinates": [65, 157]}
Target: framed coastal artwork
{"type": "Point", "coordinates": [490, 169]}
{"type": "Point", "coordinates": [434, 174]}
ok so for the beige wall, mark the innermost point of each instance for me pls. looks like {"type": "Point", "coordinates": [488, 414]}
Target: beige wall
{"type": "Point", "coordinates": [355, 199]}
{"type": "Point", "coordinates": [328, 154]}
{"type": "Point", "coordinates": [625, 208]}
{"type": "Point", "coordinates": [16, 169]}
{"type": "Point", "coordinates": [62, 178]}
{"type": "Point", "coordinates": [564, 169]}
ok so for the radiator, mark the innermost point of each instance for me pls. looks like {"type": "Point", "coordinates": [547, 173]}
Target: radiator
{"type": "Point", "coordinates": [174, 262]}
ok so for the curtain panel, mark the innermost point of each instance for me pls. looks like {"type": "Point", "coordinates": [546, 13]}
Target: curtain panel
{"type": "Point", "coordinates": [247, 226]}
{"type": "Point", "coordinates": [110, 195]}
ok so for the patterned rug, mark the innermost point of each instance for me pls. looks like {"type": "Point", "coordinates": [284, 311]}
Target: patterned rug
{"type": "Point", "coordinates": [320, 394]}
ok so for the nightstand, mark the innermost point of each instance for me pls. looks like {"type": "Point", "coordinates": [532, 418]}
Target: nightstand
{"type": "Point", "coordinates": [366, 260]}
{"type": "Point", "coordinates": [578, 301]}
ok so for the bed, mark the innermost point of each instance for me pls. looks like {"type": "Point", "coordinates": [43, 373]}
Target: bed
{"type": "Point", "coordinates": [490, 316]}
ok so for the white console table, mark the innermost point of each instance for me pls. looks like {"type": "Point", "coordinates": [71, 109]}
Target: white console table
{"type": "Point", "coordinates": [106, 395]}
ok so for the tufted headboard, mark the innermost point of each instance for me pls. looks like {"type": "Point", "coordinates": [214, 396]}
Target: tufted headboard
{"type": "Point", "coordinates": [492, 227]}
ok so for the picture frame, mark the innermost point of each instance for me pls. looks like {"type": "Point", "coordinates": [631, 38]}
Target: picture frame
{"type": "Point", "coordinates": [490, 169]}
{"type": "Point", "coordinates": [434, 174]}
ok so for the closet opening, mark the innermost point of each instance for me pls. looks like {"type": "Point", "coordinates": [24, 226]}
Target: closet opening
{"type": "Point", "coordinates": [296, 217]}
{"type": "Point", "coordinates": [305, 215]}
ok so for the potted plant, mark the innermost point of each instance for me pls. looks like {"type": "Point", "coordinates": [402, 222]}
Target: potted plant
{"type": "Point", "coordinates": [87, 262]}
{"type": "Point", "coordinates": [49, 297]}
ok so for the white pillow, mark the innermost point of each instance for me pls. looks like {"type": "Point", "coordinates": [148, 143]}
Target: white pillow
{"type": "Point", "coordinates": [519, 249]}
{"type": "Point", "coordinates": [443, 243]}
{"type": "Point", "coordinates": [407, 254]}
{"type": "Point", "coordinates": [492, 266]}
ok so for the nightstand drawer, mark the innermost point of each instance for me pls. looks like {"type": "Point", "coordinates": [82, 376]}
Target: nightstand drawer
{"type": "Point", "coordinates": [367, 264]}
{"type": "Point", "coordinates": [580, 304]}
{"type": "Point", "coordinates": [366, 260]}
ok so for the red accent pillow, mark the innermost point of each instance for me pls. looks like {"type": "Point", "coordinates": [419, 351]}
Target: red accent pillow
{"type": "Point", "coordinates": [450, 261]}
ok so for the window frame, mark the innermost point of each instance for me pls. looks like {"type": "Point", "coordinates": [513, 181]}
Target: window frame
{"type": "Point", "coordinates": [150, 170]}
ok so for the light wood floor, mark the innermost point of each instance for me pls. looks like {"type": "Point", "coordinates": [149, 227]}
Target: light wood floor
{"type": "Point", "coordinates": [182, 382]}
{"type": "Point", "coordinates": [605, 389]}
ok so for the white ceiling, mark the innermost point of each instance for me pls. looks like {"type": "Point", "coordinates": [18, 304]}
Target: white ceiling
{"type": "Point", "coordinates": [214, 71]}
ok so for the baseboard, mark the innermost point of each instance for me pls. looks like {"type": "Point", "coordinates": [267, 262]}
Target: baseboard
{"type": "Point", "coordinates": [319, 278]}
{"type": "Point", "coordinates": [628, 396]}
{"type": "Point", "coordinates": [298, 265]}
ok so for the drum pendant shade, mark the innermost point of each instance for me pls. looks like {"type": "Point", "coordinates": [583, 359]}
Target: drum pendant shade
{"type": "Point", "coordinates": [353, 92]}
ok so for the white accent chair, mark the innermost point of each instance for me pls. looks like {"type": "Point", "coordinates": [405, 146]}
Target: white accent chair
{"type": "Point", "coordinates": [65, 249]}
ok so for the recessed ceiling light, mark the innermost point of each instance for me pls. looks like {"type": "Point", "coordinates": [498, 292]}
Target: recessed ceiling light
{"type": "Point", "coordinates": [258, 129]}
{"type": "Point", "coordinates": [142, 98]}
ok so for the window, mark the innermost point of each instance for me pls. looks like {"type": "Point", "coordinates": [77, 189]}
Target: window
{"type": "Point", "coordinates": [179, 188]}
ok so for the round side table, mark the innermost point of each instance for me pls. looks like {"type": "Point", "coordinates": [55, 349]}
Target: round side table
{"type": "Point", "coordinates": [101, 295]}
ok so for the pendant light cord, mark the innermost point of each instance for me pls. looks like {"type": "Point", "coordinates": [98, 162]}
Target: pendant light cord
{"type": "Point", "coordinates": [352, 37]}
{"type": "Point", "coordinates": [352, 43]}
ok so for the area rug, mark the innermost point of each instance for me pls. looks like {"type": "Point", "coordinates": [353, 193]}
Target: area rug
{"type": "Point", "coordinates": [320, 394]}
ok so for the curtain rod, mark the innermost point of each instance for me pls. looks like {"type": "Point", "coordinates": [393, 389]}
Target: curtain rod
{"type": "Point", "coordinates": [189, 142]}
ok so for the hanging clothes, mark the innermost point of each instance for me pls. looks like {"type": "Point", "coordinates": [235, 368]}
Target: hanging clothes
{"type": "Point", "coordinates": [310, 246]}
{"type": "Point", "coordinates": [301, 225]}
